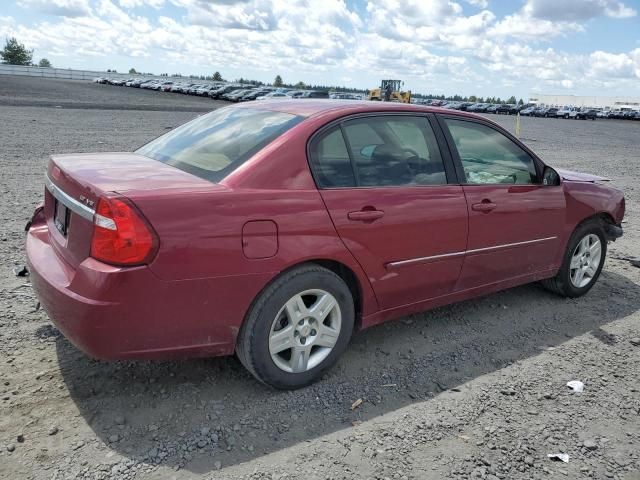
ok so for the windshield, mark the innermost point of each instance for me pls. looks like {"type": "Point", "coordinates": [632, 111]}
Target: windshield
{"type": "Point", "coordinates": [214, 145]}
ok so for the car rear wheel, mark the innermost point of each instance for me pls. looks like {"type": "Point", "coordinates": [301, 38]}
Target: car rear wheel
{"type": "Point", "coordinates": [582, 263]}
{"type": "Point", "coordinates": [297, 328]}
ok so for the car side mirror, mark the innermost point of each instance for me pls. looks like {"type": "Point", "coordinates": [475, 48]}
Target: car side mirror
{"type": "Point", "coordinates": [550, 177]}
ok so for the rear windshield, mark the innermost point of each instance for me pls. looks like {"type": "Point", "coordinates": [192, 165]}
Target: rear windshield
{"type": "Point", "coordinates": [214, 145]}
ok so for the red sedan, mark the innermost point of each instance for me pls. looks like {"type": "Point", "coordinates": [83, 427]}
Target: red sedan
{"type": "Point", "coordinates": [275, 229]}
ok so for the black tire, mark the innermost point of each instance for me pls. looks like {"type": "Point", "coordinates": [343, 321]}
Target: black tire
{"type": "Point", "coordinates": [252, 346]}
{"type": "Point", "coordinates": [561, 284]}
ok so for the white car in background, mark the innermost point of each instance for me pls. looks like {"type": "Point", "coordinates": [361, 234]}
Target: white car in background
{"type": "Point", "coordinates": [565, 112]}
{"type": "Point", "coordinates": [271, 95]}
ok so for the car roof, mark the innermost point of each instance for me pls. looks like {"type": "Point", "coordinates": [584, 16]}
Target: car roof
{"type": "Point", "coordinates": [312, 107]}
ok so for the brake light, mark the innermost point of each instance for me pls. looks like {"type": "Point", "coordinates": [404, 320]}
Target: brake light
{"type": "Point", "coordinates": [121, 235]}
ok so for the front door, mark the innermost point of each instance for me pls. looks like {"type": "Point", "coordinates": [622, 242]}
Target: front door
{"type": "Point", "coordinates": [384, 183]}
{"type": "Point", "coordinates": [515, 222]}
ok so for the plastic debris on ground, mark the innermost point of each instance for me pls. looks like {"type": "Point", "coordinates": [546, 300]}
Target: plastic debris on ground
{"type": "Point", "coordinates": [576, 385]}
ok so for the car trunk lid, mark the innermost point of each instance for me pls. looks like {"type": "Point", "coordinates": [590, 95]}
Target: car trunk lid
{"type": "Point", "coordinates": [75, 183]}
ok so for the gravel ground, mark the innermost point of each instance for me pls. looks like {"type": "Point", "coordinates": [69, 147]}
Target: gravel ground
{"type": "Point", "coordinates": [472, 390]}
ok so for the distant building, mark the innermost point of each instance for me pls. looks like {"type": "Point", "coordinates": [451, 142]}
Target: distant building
{"type": "Point", "coordinates": [597, 101]}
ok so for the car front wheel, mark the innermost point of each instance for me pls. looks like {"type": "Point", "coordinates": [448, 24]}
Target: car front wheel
{"type": "Point", "coordinates": [297, 328]}
{"type": "Point", "coordinates": [582, 263]}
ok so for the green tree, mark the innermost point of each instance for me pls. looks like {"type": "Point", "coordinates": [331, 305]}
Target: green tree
{"type": "Point", "coordinates": [512, 99]}
{"type": "Point", "coordinates": [132, 71]}
{"type": "Point", "coordinates": [217, 77]}
{"type": "Point", "coordinates": [300, 85]}
{"type": "Point", "coordinates": [473, 98]}
{"type": "Point", "coordinates": [520, 102]}
{"type": "Point", "coordinates": [44, 63]}
{"type": "Point", "coordinates": [278, 81]}
{"type": "Point", "coordinates": [15, 53]}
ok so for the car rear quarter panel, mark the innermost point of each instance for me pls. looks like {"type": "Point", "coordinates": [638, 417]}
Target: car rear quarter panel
{"type": "Point", "coordinates": [207, 242]}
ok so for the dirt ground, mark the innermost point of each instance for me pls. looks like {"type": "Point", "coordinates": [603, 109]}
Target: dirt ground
{"type": "Point", "coordinates": [472, 390]}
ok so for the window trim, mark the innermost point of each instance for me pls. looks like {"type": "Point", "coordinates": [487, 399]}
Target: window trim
{"type": "Point", "coordinates": [441, 144]}
{"type": "Point", "coordinates": [441, 118]}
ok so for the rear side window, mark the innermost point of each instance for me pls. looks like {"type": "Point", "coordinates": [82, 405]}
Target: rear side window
{"type": "Point", "coordinates": [394, 150]}
{"type": "Point", "coordinates": [330, 158]}
{"type": "Point", "coordinates": [214, 145]}
{"type": "Point", "coordinates": [489, 157]}
{"type": "Point", "coordinates": [378, 152]}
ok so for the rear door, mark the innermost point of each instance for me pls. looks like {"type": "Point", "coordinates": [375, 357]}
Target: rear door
{"type": "Point", "coordinates": [384, 182]}
{"type": "Point", "coordinates": [515, 222]}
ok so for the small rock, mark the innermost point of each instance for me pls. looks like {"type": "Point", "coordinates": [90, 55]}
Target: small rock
{"type": "Point", "coordinates": [120, 420]}
{"type": "Point", "coordinates": [528, 460]}
{"type": "Point", "coordinates": [218, 465]}
{"type": "Point", "coordinates": [22, 271]}
{"type": "Point", "coordinates": [53, 430]}
{"type": "Point", "coordinates": [11, 447]}
{"type": "Point", "coordinates": [20, 438]}
{"type": "Point", "coordinates": [635, 341]}
{"type": "Point", "coordinates": [508, 392]}
{"type": "Point", "coordinates": [590, 444]}
{"type": "Point", "coordinates": [202, 443]}
{"type": "Point", "coordinates": [114, 438]}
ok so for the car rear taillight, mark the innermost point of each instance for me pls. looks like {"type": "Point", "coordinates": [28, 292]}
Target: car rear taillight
{"type": "Point", "coordinates": [121, 235]}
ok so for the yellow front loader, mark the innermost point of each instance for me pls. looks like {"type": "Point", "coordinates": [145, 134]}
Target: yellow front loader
{"type": "Point", "coordinates": [389, 91]}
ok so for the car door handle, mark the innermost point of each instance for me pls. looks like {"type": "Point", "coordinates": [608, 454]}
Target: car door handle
{"type": "Point", "coordinates": [365, 215]}
{"type": "Point", "coordinates": [484, 206]}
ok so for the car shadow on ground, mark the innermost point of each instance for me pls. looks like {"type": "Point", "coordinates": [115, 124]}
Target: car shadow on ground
{"type": "Point", "coordinates": [194, 414]}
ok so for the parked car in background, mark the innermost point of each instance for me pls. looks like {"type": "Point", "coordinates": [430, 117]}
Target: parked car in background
{"type": "Point", "coordinates": [315, 94]}
{"type": "Point", "coordinates": [583, 114]}
{"type": "Point", "coordinates": [528, 111]}
{"type": "Point", "coordinates": [236, 95]}
{"type": "Point", "coordinates": [505, 108]}
{"type": "Point", "coordinates": [492, 108]}
{"type": "Point", "coordinates": [294, 93]}
{"type": "Point", "coordinates": [255, 94]}
{"type": "Point", "coordinates": [181, 87]}
{"type": "Point", "coordinates": [546, 112]}
{"type": "Point", "coordinates": [224, 90]}
{"type": "Point", "coordinates": [564, 112]}
{"type": "Point", "coordinates": [279, 214]}
{"type": "Point", "coordinates": [204, 90]}
{"type": "Point", "coordinates": [273, 95]}
{"type": "Point", "coordinates": [191, 90]}
{"type": "Point", "coordinates": [149, 84]}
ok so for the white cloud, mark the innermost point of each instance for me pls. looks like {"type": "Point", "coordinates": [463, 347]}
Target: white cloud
{"type": "Point", "coordinates": [141, 3]}
{"type": "Point", "coordinates": [576, 10]}
{"type": "Point", "coordinates": [62, 8]}
{"type": "Point", "coordinates": [428, 43]}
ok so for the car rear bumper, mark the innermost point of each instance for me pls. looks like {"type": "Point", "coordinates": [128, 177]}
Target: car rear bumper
{"type": "Point", "coordinates": [129, 313]}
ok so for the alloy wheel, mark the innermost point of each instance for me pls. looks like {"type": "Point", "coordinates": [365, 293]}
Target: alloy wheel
{"type": "Point", "coordinates": [305, 331]}
{"type": "Point", "coordinates": [585, 261]}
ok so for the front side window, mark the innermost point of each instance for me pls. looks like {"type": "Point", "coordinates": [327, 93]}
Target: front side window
{"type": "Point", "coordinates": [489, 157]}
{"type": "Point", "coordinates": [214, 145]}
